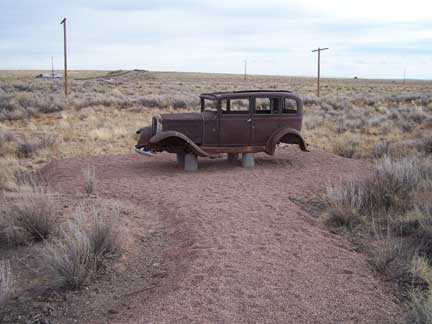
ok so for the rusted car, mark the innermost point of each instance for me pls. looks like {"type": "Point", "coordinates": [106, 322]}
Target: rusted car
{"type": "Point", "coordinates": [235, 122]}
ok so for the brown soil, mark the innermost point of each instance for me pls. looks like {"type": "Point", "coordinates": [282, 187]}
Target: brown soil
{"type": "Point", "coordinates": [225, 244]}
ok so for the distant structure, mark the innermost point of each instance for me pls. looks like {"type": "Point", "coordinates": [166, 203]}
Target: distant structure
{"type": "Point", "coordinates": [49, 75]}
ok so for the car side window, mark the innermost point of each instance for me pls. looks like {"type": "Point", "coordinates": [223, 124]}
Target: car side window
{"type": "Point", "coordinates": [262, 106]}
{"type": "Point", "coordinates": [290, 106]}
{"type": "Point", "coordinates": [276, 105]}
{"type": "Point", "coordinates": [268, 106]}
{"type": "Point", "coordinates": [225, 106]}
{"type": "Point", "coordinates": [239, 106]}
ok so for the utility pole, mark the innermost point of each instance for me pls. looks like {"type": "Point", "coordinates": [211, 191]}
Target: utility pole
{"type": "Point", "coordinates": [319, 67]}
{"type": "Point", "coordinates": [65, 56]}
{"type": "Point", "coordinates": [52, 66]}
{"type": "Point", "coordinates": [245, 69]}
{"type": "Point", "coordinates": [405, 75]}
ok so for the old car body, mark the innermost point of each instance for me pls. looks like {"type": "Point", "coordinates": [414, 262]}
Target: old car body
{"type": "Point", "coordinates": [229, 122]}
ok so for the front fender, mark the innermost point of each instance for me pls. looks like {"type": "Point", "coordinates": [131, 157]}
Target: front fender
{"type": "Point", "coordinates": [174, 136]}
{"type": "Point", "coordinates": [285, 135]}
{"type": "Point", "coordinates": [144, 136]}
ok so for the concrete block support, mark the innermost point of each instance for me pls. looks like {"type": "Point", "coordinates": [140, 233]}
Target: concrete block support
{"type": "Point", "coordinates": [180, 158]}
{"type": "Point", "coordinates": [232, 157]}
{"type": "Point", "coordinates": [248, 160]}
{"type": "Point", "coordinates": [190, 162]}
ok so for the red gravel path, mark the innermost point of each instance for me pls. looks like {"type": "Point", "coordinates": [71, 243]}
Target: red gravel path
{"type": "Point", "coordinates": [239, 250]}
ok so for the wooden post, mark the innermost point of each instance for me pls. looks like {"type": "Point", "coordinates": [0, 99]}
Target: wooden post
{"type": "Point", "coordinates": [319, 74]}
{"type": "Point", "coordinates": [65, 57]}
{"type": "Point", "coordinates": [319, 67]}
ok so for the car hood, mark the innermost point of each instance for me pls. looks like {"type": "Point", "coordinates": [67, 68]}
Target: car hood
{"type": "Point", "coordinates": [181, 116]}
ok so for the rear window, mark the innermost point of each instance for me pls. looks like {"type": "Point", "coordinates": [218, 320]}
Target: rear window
{"type": "Point", "coordinates": [290, 106]}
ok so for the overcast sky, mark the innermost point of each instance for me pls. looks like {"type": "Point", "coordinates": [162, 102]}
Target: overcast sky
{"type": "Point", "coordinates": [367, 38]}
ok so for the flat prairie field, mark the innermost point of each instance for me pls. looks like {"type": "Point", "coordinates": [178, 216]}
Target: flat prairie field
{"type": "Point", "coordinates": [92, 233]}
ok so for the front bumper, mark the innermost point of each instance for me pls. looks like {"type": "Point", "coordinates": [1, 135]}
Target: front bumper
{"type": "Point", "coordinates": [142, 151]}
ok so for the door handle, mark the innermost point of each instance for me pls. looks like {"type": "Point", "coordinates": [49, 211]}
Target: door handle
{"type": "Point", "coordinates": [249, 120]}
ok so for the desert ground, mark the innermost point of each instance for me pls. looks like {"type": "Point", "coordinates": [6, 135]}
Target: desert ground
{"type": "Point", "coordinates": [92, 233]}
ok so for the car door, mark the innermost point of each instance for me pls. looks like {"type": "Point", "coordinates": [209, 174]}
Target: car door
{"type": "Point", "coordinates": [235, 122]}
{"type": "Point", "coordinates": [266, 119]}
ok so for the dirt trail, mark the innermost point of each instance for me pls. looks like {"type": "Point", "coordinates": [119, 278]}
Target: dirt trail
{"type": "Point", "coordinates": [239, 249]}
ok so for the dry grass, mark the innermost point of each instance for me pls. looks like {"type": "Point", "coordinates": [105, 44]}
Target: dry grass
{"type": "Point", "coordinates": [89, 175]}
{"type": "Point", "coordinates": [28, 217]}
{"type": "Point", "coordinates": [421, 269]}
{"type": "Point", "coordinates": [351, 118]}
{"type": "Point", "coordinates": [421, 306]}
{"type": "Point", "coordinates": [33, 214]}
{"type": "Point", "coordinates": [70, 259]}
{"type": "Point", "coordinates": [385, 254]}
{"type": "Point", "coordinates": [346, 145]}
{"type": "Point", "coordinates": [395, 199]}
{"type": "Point", "coordinates": [101, 225]}
{"type": "Point", "coordinates": [7, 283]}
{"type": "Point", "coordinates": [104, 114]}
{"type": "Point", "coordinates": [344, 200]}
{"type": "Point", "coordinates": [390, 189]}
{"type": "Point", "coordinates": [91, 235]}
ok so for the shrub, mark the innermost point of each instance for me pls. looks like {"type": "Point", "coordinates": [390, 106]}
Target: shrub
{"type": "Point", "coordinates": [70, 260]}
{"type": "Point", "coordinates": [391, 187]}
{"type": "Point", "coordinates": [7, 170]}
{"type": "Point", "coordinates": [392, 184]}
{"type": "Point", "coordinates": [313, 121]}
{"type": "Point", "coordinates": [425, 145]}
{"type": "Point", "coordinates": [344, 201]}
{"type": "Point", "coordinates": [151, 103]}
{"type": "Point", "coordinates": [7, 282]}
{"type": "Point", "coordinates": [2, 137]}
{"type": "Point", "coordinates": [6, 103]}
{"type": "Point", "coordinates": [346, 146]}
{"type": "Point", "coordinates": [387, 252]}
{"type": "Point", "coordinates": [381, 149]}
{"type": "Point", "coordinates": [25, 150]}
{"type": "Point", "coordinates": [421, 306]}
{"type": "Point", "coordinates": [11, 234]}
{"type": "Point", "coordinates": [93, 234]}
{"type": "Point", "coordinates": [101, 227]}
{"type": "Point", "coordinates": [33, 214]}
{"type": "Point", "coordinates": [421, 271]}
{"type": "Point", "coordinates": [179, 104]}
{"type": "Point", "coordinates": [26, 179]}
{"type": "Point", "coordinates": [47, 140]}
{"type": "Point", "coordinates": [88, 175]}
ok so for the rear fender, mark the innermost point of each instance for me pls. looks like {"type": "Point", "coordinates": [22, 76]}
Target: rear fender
{"type": "Point", "coordinates": [286, 135]}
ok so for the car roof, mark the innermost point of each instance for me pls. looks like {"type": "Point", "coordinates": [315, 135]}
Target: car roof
{"type": "Point", "coordinates": [247, 93]}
